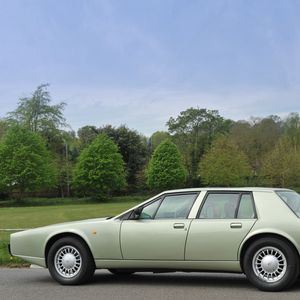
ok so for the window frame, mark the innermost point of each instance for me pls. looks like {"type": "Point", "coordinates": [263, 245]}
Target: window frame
{"type": "Point", "coordinates": [240, 193]}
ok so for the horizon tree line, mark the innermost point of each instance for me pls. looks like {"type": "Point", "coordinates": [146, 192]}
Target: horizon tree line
{"type": "Point", "coordinates": [40, 153]}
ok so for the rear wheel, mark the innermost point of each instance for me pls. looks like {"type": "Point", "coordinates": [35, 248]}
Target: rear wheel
{"type": "Point", "coordinates": [70, 262]}
{"type": "Point", "coordinates": [271, 264]}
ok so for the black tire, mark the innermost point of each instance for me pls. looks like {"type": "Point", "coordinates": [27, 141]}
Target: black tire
{"type": "Point", "coordinates": [282, 279]}
{"type": "Point", "coordinates": [83, 257]}
{"type": "Point", "coordinates": [120, 272]}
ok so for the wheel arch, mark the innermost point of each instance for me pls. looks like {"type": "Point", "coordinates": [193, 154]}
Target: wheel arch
{"type": "Point", "coordinates": [60, 235]}
{"type": "Point", "coordinates": [261, 235]}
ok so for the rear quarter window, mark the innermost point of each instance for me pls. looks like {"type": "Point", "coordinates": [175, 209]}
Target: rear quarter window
{"type": "Point", "coordinates": [291, 199]}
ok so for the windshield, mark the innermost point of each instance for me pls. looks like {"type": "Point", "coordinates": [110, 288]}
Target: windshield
{"type": "Point", "coordinates": [292, 199]}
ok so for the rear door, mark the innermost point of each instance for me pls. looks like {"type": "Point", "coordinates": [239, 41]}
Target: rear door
{"type": "Point", "coordinates": [223, 221]}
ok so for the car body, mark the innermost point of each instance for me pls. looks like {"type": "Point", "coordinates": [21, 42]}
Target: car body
{"type": "Point", "coordinates": [244, 230]}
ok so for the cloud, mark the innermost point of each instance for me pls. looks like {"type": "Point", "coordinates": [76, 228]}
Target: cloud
{"type": "Point", "coordinates": [148, 109]}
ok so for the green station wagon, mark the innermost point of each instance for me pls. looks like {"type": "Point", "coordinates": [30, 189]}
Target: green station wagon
{"type": "Point", "coordinates": [255, 231]}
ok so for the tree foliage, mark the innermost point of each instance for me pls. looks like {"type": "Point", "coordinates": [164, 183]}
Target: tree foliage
{"type": "Point", "coordinates": [193, 131]}
{"type": "Point", "coordinates": [165, 169]}
{"type": "Point", "coordinates": [158, 137]}
{"type": "Point", "coordinates": [281, 167]}
{"type": "Point", "coordinates": [292, 128]}
{"type": "Point", "coordinates": [224, 164]}
{"type": "Point", "coordinates": [25, 163]}
{"type": "Point", "coordinates": [100, 168]}
{"type": "Point", "coordinates": [256, 138]}
{"type": "Point", "coordinates": [3, 128]}
{"type": "Point", "coordinates": [36, 114]}
{"type": "Point", "coordinates": [86, 135]}
{"type": "Point", "coordinates": [132, 146]}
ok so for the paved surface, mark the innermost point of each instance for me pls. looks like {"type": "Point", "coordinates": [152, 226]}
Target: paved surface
{"type": "Point", "coordinates": [36, 284]}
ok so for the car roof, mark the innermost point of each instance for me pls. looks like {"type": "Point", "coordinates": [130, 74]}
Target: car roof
{"type": "Point", "coordinates": [248, 189]}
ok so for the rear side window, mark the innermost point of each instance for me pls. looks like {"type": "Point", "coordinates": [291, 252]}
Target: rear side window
{"type": "Point", "coordinates": [228, 206]}
{"type": "Point", "coordinates": [292, 199]}
{"type": "Point", "coordinates": [219, 206]}
{"type": "Point", "coordinates": [246, 209]}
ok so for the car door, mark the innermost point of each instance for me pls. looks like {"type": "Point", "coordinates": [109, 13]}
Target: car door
{"type": "Point", "coordinates": [223, 221]}
{"type": "Point", "coordinates": [161, 229]}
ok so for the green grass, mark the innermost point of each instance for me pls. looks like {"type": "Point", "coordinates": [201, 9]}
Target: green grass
{"type": "Point", "coordinates": [35, 216]}
{"type": "Point", "coordinates": [29, 217]}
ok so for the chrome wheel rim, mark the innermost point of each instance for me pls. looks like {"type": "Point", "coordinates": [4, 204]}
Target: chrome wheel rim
{"type": "Point", "coordinates": [68, 261]}
{"type": "Point", "coordinates": [269, 264]}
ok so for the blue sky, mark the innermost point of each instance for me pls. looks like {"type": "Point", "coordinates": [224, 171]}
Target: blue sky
{"type": "Point", "coordinates": [140, 62]}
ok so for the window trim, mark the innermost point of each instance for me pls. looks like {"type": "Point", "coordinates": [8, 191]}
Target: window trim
{"type": "Point", "coordinates": [237, 207]}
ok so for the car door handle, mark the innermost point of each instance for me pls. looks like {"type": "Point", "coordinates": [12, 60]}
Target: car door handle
{"type": "Point", "coordinates": [236, 225]}
{"type": "Point", "coordinates": [178, 225]}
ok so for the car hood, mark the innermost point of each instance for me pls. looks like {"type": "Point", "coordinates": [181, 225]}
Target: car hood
{"type": "Point", "coordinates": [67, 224]}
{"type": "Point", "coordinates": [95, 220]}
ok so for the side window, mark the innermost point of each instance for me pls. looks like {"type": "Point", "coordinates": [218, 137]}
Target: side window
{"type": "Point", "coordinates": [246, 209]}
{"type": "Point", "coordinates": [176, 206]}
{"type": "Point", "coordinates": [220, 206]}
{"type": "Point", "coordinates": [149, 210]}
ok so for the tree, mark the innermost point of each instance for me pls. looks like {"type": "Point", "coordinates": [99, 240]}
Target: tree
{"type": "Point", "coordinates": [66, 154]}
{"type": "Point", "coordinates": [133, 148]}
{"type": "Point", "coordinates": [256, 138]}
{"type": "Point", "coordinates": [25, 163]}
{"type": "Point", "coordinates": [36, 114]}
{"type": "Point", "coordinates": [224, 164]}
{"type": "Point", "coordinates": [86, 135]}
{"type": "Point", "coordinates": [281, 166]}
{"type": "Point", "coordinates": [193, 131]}
{"type": "Point", "coordinates": [3, 127]}
{"type": "Point", "coordinates": [158, 137]}
{"type": "Point", "coordinates": [165, 169]}
{"type": "Point", "coordinates": [292, 128]}
{"type": "Point", "coordinates": [100, 168]}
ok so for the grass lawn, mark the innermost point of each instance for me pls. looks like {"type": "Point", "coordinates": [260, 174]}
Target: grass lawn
{"type": "Point", "coordinates": [35, 216]}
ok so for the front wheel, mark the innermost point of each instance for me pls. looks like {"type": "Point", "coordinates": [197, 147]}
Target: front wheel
{"type": "Point", "coordinates": [70, 262]}
{"type": "Point", "coordinates": [271, 264]}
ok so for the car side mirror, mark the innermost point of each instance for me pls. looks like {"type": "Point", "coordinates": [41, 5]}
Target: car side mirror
{"type": "Point", "coordinates": [137, 212]}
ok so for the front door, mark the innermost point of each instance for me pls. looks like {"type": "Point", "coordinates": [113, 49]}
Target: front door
{"type": "Point", "coordinates": [161, 230]}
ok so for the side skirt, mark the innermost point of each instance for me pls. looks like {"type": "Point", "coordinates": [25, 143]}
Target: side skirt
{"type": "Point", "coordinates": [214, 266]}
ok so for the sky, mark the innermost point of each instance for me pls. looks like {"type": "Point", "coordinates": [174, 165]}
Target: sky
{"type": "Point", "coordinates": [140, 62]}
